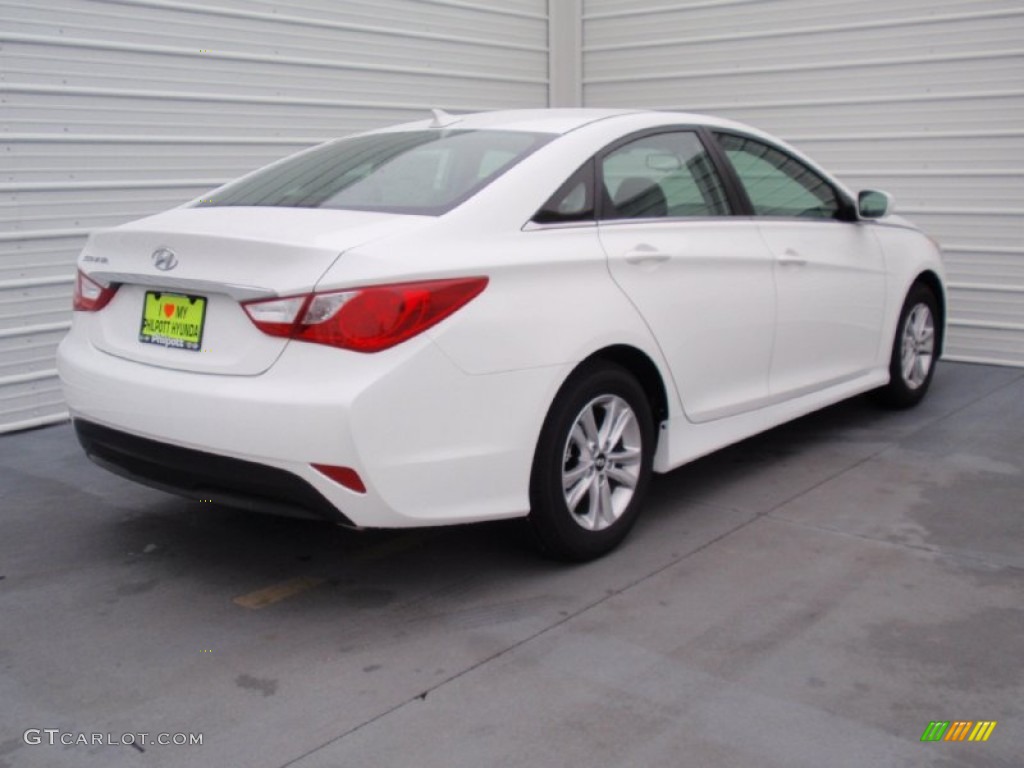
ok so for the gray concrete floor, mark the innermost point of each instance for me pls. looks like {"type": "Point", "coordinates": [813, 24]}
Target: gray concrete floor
{"type": "Point", "coordinates": [812, 597]}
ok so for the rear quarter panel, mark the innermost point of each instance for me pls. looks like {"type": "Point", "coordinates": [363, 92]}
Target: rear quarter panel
{"type": "Point", "coordinates": [550, 300]}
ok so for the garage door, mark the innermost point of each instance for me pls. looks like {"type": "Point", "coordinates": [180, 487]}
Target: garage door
{"type": "Point", "coordinates": [922, 98]}
{"type": "Point", "coordinates": [113, 109]}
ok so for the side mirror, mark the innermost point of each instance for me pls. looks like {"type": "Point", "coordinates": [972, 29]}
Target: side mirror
{"type": "Point", "coordinates": [873, 204]}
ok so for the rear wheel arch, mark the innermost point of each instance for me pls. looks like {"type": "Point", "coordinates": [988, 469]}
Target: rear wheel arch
{"type": "Point", "coordinates": [643, 369]}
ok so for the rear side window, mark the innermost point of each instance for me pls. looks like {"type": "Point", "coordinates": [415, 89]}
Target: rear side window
{"type": "Point", "coordinates": [778, 184]}
{"type": "Point", "coordinates": [422, 172]}
{"type": "Point", "coordinates": [573, 201]}
{"type": "Point", "coordinates": [662, 175]}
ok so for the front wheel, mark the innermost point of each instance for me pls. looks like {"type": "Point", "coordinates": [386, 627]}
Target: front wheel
{"type": "Point", "coordinates": [593, 463]}
{"type": "Point", "coordinates": [914, 350]}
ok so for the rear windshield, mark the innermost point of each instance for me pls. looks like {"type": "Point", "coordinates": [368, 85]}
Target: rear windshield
{"type": "Point", "coordinates": [424, 172]}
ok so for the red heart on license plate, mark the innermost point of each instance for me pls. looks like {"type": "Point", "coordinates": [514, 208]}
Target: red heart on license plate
{"type": "Point", "coordinates": [168, 309]}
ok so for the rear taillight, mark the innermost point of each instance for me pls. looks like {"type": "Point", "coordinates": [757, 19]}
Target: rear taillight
{"type": "Point", "coordinates": [364, 319]}
{"type": "Point", "coordinates": [91, 296]}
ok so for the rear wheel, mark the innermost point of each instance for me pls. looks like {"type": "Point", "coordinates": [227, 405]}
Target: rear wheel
{"type": "Point", "coordinates": [593, 463]}
{"type": "Point", "coordinates": [914, 350]}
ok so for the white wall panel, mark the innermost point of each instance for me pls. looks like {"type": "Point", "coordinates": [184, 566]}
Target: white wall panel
{"type": "Point", "coordinates": [114, 109]}
{"type": "Point", "coordinates": [923, 98]}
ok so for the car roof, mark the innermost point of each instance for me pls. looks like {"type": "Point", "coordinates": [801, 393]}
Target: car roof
{"type": "Point", "coordinates": [608, 123]}
{"type": "Point", "coordinates": [558, 121]}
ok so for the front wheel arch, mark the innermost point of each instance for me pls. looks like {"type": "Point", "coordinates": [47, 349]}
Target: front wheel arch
{"type": "Point", "coordinates": [913, 346]}
{"type": "Point", "coordinates": [931, 280]}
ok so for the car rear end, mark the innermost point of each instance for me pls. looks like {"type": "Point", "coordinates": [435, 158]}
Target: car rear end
{"type": "Point", "coordinates": [208, 356]}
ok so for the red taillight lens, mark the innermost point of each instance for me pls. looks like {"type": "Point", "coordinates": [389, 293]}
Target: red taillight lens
{"type": "Point", "coordinates": [91, 296]}
{"type": "Point", "coordinates": [365, 319]}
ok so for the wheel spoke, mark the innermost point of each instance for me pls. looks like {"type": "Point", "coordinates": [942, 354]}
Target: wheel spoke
{"type": "Point", "coordinates": [624, 419]}
{"type": "Point", "coordinates": [908, 352]}
{"type": "Point", "coordinates": [605, 511]}
{"type": "Point", "coordinates": [920, 369]}
{"type": "Point", "coordinates": [579, 439]}
{"type": "Point", "coordinates": [627, 455]}
{"type": "Point", "coordinates": [589, 426]}
{"type": "Point", "coordinates": [909, 362]}
{"type": "Point", "coordinates": [923, 323]}
{"type": "Point", "coordinates": [612, 411]}
{"type": "Point", "coordinates": [909, 342]}
{"type": "Point", "coordinates": [572, 476]}
{"type": "Point", "coordinates": [593, 517]}
{"type": "Point", "coordinates": [575, 495]}
{"type": "Point", "coordinates": [621, 476]}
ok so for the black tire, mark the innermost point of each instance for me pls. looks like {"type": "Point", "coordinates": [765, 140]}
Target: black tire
{"type": "Point", "coordinates": [604, 515]}
{"type": "Point", "coordinates": [907, 388]}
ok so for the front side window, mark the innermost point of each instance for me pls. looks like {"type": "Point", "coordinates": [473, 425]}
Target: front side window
{"type": "Point", "coordinates": [663, 175]}
{"type": "Point", "coordinates": [777, 184]}
{"type": "Point", "coordinates": [424, 172]}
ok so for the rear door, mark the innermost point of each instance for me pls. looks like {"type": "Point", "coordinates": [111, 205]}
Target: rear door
{"type": "Point", "coordinates": [701, 278]}
{"type": "Point", "coordinates": [829, 269]}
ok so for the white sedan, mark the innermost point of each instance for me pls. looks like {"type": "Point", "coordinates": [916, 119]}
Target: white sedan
{"type": "Point", "coordinates": [498, 315]}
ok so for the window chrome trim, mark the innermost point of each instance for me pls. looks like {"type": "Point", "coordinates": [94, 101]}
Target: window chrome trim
{"type": "Point", "coordinates": [673, 220]}
{"type": "Point", "coordinates": [536, 226]}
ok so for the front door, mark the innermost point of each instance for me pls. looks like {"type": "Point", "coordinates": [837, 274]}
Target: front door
{"type": "Point", "coordinates": [701, 278]}
{"type": "Point", "coordinates": [829, 270]}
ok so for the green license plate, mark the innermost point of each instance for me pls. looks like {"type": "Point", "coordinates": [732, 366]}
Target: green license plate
{"type": "Point", "coordinates": [173, 320]}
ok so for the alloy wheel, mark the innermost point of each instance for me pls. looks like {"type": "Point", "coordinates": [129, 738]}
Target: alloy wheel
{"type": "Point", "coordinates": [918, 349]}
{"type": "Point", "coordinates": [601, 462]}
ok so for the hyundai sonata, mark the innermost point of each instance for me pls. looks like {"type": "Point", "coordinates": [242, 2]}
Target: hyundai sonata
{"type": "Point", "coordinates": [498, 315]}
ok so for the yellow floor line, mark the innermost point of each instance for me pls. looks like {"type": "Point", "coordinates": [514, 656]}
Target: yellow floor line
{"type": "Point", "coordinates": [275, 593]}
{"type": "Point", "coordinates": [261, 598]}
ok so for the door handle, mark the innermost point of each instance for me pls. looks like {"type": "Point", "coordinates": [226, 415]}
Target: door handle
{"type": "Point", "coordinates": [791, 258]}
{"type": "Point", "coordinates": [645, 254]}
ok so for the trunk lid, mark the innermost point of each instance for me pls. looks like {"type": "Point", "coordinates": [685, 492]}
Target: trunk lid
{"type": "Point", "coordinates": [223, 256]}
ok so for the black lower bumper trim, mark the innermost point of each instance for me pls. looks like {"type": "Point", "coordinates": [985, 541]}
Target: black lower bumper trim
{"type": "Point", "coordinates": [200, 475]}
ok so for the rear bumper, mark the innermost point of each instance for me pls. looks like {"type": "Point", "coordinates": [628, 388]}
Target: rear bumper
{"type": "Point", "coordinates": [204, 476]}
{"type": "Point", "coordinates": [432, 444]}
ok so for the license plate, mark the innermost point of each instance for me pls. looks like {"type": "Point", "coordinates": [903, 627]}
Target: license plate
{"type": "Point", "coordinates": [173, 320]}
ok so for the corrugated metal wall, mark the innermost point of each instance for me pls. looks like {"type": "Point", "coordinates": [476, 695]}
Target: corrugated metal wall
{"type": "Point", "coordinates": [113, 109]}
{"type": "Point", "coordinates": [923, 98]}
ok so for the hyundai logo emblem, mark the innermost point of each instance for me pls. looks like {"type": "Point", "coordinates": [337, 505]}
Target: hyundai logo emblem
{"type": "Point", "coordinates": [164, 259]}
